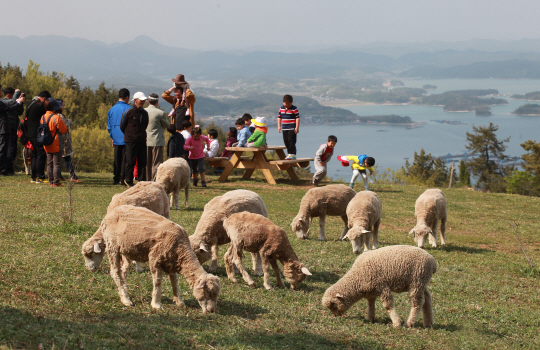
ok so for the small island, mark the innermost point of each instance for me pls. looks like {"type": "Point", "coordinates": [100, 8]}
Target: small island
{"type": "Point", "coordinates": [483, 111]}
{"type": "Point", "coordinates": [528, 109]}
{"type": "Point", "coordinates": [531, 96]}
{"type": "Point", "coordinates": [429, 87]}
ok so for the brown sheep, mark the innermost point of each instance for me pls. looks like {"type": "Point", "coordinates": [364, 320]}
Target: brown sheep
{"type": "Point", "coordinates": [321, 201]}
{"type": "Point", "coordinates": [257, 234]}
{"type": "Point", "coordinates": [378, 273]}
{"type": "Point", "coordinates": [133, 233]}
{"type": "Point", "coordinates": [174, 175]}
{"type": "Point", "coordinates": [429, 208]}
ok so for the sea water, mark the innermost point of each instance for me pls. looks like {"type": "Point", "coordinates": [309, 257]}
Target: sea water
{"type": "Point", "coordinates": [390, 145]}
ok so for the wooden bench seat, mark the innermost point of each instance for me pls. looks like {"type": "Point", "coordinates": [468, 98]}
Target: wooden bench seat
{"type": "Point", "coordinates": [284, 164]}
{"type": "Point", "coordinates": [221, 162]}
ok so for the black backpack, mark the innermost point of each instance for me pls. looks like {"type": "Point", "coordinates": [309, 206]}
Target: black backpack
{"type": "Point", "coordinates": [44, 136]}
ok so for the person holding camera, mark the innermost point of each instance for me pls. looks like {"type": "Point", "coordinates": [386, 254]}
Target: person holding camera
{"type": "Point", "coordinates": [7, 106]}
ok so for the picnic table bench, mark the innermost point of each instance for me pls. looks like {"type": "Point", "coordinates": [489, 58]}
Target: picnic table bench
{"type": "Point", "coordinates": [258, 161]}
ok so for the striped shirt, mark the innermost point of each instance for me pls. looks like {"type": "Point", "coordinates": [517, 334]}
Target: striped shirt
{"type": "Point", "coordinates": [288, 117]}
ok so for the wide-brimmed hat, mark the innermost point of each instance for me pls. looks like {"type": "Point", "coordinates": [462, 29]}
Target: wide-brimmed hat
{"type": "Point", "coordinates": [179, 79]}
{"type": "Point", "coordinates": [140, 96]}
{"type": "Point", "coordinates": [259, 121]}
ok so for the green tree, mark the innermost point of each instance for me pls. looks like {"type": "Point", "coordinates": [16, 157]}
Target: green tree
{"type": "Point", "coordinates": [531, 159]}
{"type": "Point", "coordinates": [464, 174]}
{"type": "Point", "coordinates": [524, 183]}
{"type": "Point", "coordinates": [426, 170]}
{"type": "Point", "coordinates": [484, 142]}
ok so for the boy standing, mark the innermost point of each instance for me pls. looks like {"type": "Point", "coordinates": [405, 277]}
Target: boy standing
{"type": "Point", "coordinates": [322, 157]}
{"type": "Point", "coordinates": [289, 121]}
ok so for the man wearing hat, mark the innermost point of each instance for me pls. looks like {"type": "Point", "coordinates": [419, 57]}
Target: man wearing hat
{"type": "Point", "coordinates": [258, 138]}
{"type": "Point", "coordinates": [155, 136]}
{"type": "Point", "coordinates": [133, 125]}
{"type": "Point", "coordinates": [182, 101]}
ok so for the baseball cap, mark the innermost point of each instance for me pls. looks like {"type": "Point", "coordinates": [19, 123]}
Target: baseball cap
{"type": "Point", "coordinates": [139, 96]}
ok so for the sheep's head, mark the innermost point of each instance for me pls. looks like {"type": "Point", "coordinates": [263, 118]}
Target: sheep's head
{"type": "Point", "coordinates": [357, 236]}
{"type": "Point", "coordinates": [93, 251]}
{"type": "Point", "coordinates": [206, 292]}
{"type": "Point", "coordinates": [300, 226]}
{"type": "Point", "coordinates": [295, 273]}
{"type": "Point", "coordinates": [335, 302]}
{"type": "Point", "coordinates": [201, 249]}
{"type": "Point", "coordinates": [420, 233]}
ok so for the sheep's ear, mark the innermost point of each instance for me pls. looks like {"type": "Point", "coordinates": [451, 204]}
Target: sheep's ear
{"type": "Point", "coordinates": [202, 284]}
{"type": "Point", "coordinates": [97, 248]}
{"type": "Point", "coordinates": [431, 232]}
{"type": "Point", "coordinates": [203, 247]}
{"type": "Point", "coordinates": [365, 231]}
{"type": "Point", "coordinates": [305, 271]}
{"type": "Point", "coordinates": [339, 296]}
{"type": "Point", "coordinates": [347, 235]}
{"type": "Point", "coordinates": [411, 231]}
{"type": "Point", "coordinates": [301, 220]}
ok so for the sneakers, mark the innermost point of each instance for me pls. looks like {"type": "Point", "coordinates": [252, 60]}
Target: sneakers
{"type": "Point", "coordinates": [203, 183]}
{"type": "Point", "coordinates": [291, 156]}
{"type": "Point", "coordinates": [315, 183]}
{"type": "Point", "coordinates": [56, 185]}
{"type": "Point", "coordinates": [366, 188]}
{"type": "Point", "coordinates": [40, 181]}
{"type": "Point", "coordinates": [351, 185]}
{"type": "Point", "coordinates": [76, 180]}
{"type": "Point", "coordinates": [34, 181]}
{"type": "Point", "coordinates": [195, 181]}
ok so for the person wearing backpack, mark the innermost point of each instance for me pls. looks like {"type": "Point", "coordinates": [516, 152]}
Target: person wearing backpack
{"type": "Point", "coordinates": [56, 127]}
{"type": "Point", "coordinates": [34, 111]}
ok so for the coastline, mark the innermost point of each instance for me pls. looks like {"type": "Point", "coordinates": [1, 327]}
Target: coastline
{"type": "Point", "coordinates": [346, 103]}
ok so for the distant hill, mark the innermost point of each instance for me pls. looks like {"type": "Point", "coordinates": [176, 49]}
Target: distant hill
{"type": "Point", "coordinates": [511, 69]}
{"type": "Point", "coordinates": [528, 109]}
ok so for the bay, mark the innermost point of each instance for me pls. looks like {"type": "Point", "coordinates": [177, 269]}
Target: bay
{"type": "Point", "coordinates": [391, 144]}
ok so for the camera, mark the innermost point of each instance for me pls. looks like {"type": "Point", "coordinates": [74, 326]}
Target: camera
{"type": "Point", "coordinates": [23, 95]}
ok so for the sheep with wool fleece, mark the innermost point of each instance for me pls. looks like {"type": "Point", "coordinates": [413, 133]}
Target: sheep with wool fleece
{"type": "Point", "coordinates": [378, 273]}
{"type": "Point", "coordinates": [146, 194]}
{"type": "Point", "coordinates": [429, 208]}
{"type": "Point", "coordinates": [364, 214]}
{"type": "Point", "coordinates": [257, 234]}
{"type": "Point", "coordinates": [174, 175]}
{"type": "Point", "coordinates": [133, 233]}
{"type": "Point", "coordinates": [210, 234]}
{"type": "Point", "coordinates": [321, 201]}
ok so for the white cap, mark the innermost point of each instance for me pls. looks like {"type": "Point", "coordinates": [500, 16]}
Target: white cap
{"type": "Point", "coordinates": [139, 96]}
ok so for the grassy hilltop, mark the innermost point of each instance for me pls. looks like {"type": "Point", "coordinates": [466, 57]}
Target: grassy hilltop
{"type": "Point", "coordinates": [484, 294]}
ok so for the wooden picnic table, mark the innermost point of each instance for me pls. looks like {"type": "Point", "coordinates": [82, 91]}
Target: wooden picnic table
{"type": "Point", "coordinates": [258, 161]}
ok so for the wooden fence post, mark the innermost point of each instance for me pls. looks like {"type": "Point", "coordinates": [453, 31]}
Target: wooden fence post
{"type": "Point", "coordinates": [451, 175]}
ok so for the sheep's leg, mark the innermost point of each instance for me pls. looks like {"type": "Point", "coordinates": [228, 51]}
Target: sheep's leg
{"type": "Point", "coordinates": [176, 194]}
{"type": "Point", "coordinates": [174, 283]}
{"type": "Point", "coordinates": [365, 240]}
{"type": "Point", "coordinates": [237, 260]}
{"type": "Point", "coordinates": [322, 232]}
{"type": "Point", "coordinates": [345, 227]}
{"type": "Point", "coordinates": [427, 310]}
{"type": "Point", "coordinates": [257, 264]}
{"type": "Point", "coordinates": [417, 301]}
{"type": "Point", "coordinates": [215, 250]}
{"type": "Point", "coordinates": [186, 193]}
{"type": "Point", "coordinates": [375, 234]}
{"type": "Point", "coordinates": [117, 276]}
{"type": "Point", "coordinates": [266, 269]}
{"type": "Point", "coordinates": [157, 276]}
{"type": "Point", "coordinates": [433, 235]}
{"type": "Point", "coordinates": [275, 266]}
{"type": "Point", "coordinates": [443, 231]}
{"type": "Point", "coordinates": [388, 302]}
{"type": "Point", "coordinates": [229, 265]}
{"type": "Point", "coordinates": [371, 310]}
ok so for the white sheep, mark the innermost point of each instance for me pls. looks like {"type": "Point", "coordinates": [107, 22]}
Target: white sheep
{"type": "Point", "coordinates": [147, 194]}
{"type": "Point", "coordinates": [134, 233]}
{"type": "Point", "coordinates": [430, 207]}
{"type": "Point", "coordinates": [364, 214]}
{"type": "Point", "coordinates": [210, 234]}
{"type": "Point", "coordinates": [380, 272]}
{"type": "Point", "coordinates": [174, 175]}
{"type": "Point", "coordinates": [321, 201]}
{"type": "Point", "coordinates": [257, 234]}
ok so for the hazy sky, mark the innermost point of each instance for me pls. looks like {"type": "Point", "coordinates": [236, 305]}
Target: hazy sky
{"type": "Point", "coordinates": [214, 24]}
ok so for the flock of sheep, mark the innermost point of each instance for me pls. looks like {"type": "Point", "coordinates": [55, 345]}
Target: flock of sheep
{"type": "Point", "coordinates": [137, 228]}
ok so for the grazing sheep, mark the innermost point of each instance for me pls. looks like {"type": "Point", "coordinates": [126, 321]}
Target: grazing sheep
{"type": "Point", "coordinates": [364, 213]}
{"type": "Point", "coordinates": [174, 175]}
{"type": "Point", "coordinates": [210, 233]}
{"type": "Point", "coordinates": [257, 234]}
{"type": "Point", "coordinates": [398, 269]}
{"type": "Point", "coordinates": [321, 201]}
{"type": "Point", "coordinates": [147, 194]}
{"type": "Point", "coordinates": [133, 233]}
{"type": "Point", "coordinates": [430, 207]}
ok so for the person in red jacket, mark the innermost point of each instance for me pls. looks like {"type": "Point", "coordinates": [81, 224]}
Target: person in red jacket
{"type": "Point", "coordinates": [54, 156]}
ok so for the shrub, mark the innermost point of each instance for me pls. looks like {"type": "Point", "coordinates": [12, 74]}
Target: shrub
{"type": "Point", "coordinates": [92, 150]}
{"type": "Point", "coordinates": [522, 182]}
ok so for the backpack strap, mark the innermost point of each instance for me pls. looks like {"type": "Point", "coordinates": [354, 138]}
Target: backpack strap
{"type": "Point", "coordinates": [55, 123]}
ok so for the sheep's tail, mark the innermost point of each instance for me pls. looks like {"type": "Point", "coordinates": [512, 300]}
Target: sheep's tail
{"type": "Point", "coordinates": [434, 266]}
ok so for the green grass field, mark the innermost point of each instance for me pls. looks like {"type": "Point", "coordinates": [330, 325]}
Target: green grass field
{"type": "Point", "coordinates": [485, 296]}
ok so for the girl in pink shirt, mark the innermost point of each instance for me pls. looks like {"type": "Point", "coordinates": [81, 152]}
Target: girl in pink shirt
{"type": "Point", "coordinates": [194, 145]}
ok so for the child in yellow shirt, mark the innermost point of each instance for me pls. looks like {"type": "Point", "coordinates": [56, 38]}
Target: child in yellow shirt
{"type": "Point", "coordinates": [359, 164]}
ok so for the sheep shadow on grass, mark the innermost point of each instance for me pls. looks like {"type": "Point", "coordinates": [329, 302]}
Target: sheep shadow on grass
{"type": "Point", "coordinates": [455, 248]}
{"type": "Point", "coordinates": [244, 310]}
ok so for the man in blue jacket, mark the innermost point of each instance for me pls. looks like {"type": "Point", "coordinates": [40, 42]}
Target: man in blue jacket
{"type": "Point", "coordinates": [117, 136]}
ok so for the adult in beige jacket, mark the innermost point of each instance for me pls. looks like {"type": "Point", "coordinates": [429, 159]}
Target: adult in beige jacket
{"type": "Point", "coordinates": [155, 136]}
